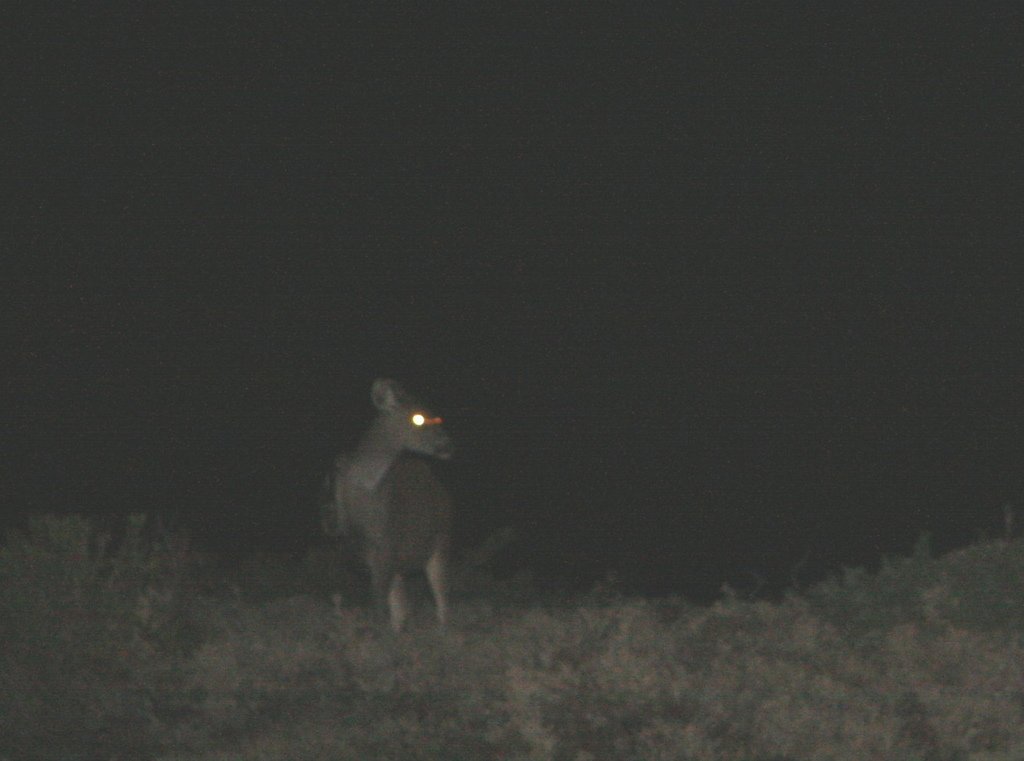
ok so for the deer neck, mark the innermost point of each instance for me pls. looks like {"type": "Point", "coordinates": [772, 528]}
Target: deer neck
{"type": "Point", "coordinates": [373, 457]}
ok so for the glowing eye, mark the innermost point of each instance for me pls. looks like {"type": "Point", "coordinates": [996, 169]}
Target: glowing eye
{"type": "Point", "coordinates": [418, 419]}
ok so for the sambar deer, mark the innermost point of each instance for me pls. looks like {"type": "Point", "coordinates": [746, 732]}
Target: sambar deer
{"type": "Point", "coordinates": [386, 494]}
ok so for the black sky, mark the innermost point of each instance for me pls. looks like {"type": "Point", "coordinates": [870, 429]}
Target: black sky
{"type": "Point", "coordinates": [699, 292]}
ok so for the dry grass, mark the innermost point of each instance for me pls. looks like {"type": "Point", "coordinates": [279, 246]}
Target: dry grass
{"type": "Point", "coordinates": [107, 655]}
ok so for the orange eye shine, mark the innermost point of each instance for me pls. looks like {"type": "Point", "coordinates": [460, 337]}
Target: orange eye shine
{"type": "Point", "coordinates": [418, 419]}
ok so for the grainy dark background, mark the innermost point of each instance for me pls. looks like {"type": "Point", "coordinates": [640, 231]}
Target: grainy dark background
{"type": "Point", "coordinates": [703, 295]}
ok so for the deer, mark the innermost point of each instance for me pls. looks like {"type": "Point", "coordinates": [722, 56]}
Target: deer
{"type": "Point", "coordinates": [385, 493]}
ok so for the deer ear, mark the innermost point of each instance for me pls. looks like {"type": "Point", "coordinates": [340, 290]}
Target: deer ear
{"type": "Point", "coordinates": [385, 393]}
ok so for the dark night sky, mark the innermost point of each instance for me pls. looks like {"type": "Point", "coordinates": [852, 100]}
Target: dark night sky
{"type": "Point", "coordinates": [701, 294]}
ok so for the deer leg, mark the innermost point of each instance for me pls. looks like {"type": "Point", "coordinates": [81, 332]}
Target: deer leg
{"type": "Point", "coordinates": [437, 578]}
{"type": "Point", "coordinates": [396, 602]}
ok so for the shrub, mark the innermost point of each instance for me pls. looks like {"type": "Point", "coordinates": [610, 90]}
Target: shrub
{"type": "Point", "coordinates": [82, 619]}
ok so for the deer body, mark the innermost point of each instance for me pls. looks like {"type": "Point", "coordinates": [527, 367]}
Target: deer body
{"type": "Point", "coordinates": [385, 492]}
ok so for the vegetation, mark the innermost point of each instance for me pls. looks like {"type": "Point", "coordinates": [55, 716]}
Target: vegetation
{"type": "Point", "coordinates": [131, 647]}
